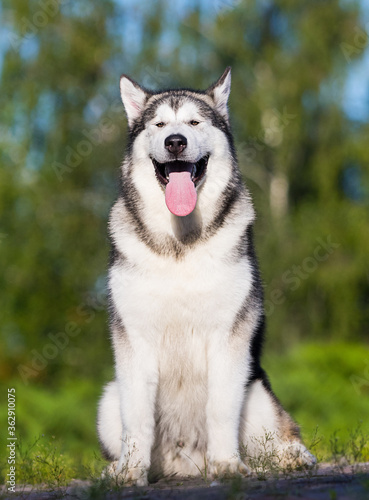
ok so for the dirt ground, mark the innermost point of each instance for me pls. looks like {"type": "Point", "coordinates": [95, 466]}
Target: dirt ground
{"type": "Point", "coordinates": [326, 482]}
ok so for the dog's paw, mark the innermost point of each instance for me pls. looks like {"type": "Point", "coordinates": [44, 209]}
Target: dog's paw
{"type": "Point", "coordinates": [233, 467]}
{"type": "Point", "coordinates": [297, 455]}
{"type": "Point", "coordinates": [133, 476]}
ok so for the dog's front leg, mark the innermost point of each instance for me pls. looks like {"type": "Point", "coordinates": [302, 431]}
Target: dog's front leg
{"type": "Point", "coordinates": [227, 375]}
{"type": "Point", "coordinates": [137, 375]}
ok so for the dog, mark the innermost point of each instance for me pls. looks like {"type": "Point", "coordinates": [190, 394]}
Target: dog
{"type": "Point", "coordinates": [186, 300]}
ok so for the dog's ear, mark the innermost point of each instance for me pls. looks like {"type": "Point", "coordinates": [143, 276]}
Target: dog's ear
{"type": "Point", "coordinates": [219, 92]}
{"type": "Point", "coordinates": [134, 98]}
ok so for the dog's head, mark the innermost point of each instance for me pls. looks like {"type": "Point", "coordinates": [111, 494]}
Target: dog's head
{"type": "Point", "coordinates": [184, 134]}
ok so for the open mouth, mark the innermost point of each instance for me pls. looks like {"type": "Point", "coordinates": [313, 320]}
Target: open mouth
{"type": "Point", "coordinates": [197, 170]}
{"type": "Point", "coordinates": [180, 179]}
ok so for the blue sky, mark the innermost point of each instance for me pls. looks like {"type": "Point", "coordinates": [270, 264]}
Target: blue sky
{"type": "Point", "coordinates": [356, 95]}
{"type": "Point", "coordinates": [356, 92]}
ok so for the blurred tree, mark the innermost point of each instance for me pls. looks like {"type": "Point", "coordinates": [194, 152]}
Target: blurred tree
{"type": "Point", "coordinates": [61, 144]}
{"type": "Point", "coordinates": [304, 160]}
{"type": "Point", "coordinates": [59, 149]}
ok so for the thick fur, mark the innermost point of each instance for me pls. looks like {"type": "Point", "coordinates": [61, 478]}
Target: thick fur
{"type": "Point", "coordinates": [186, 305]}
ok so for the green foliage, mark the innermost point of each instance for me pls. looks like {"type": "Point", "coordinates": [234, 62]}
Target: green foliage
{"type": "Point", "coordinates": [43, 463]}
{"type": "Point", "coordinates": [304, 160]}
{"type": "Point", "coordinates": [353, 451]}
{"type": "Point", "coordinates": [68, 413]}
{"type": "Point", "coordinates": [317, 383]}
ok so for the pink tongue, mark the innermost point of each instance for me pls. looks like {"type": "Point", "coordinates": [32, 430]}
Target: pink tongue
{"type": "Point", "coordinates": [180, 193]}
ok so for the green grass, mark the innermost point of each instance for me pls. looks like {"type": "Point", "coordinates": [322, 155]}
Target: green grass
{"type": "Point", "coordinates": [315, 382]}
{"type": "Point", "coordinates": [318, 385]}
{"type": "Point", "coordinates": [43, 463]}
{"type": "Point", "coordinates": [58, 420]}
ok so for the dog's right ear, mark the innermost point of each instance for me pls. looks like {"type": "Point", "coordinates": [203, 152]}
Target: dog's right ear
{"type": "Point", "coordinates": [219, 92]}
{"type": "Point", "coordinates": [134, 98]}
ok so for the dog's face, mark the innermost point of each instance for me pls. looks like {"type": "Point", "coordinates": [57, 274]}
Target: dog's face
{"type": "Point", "coordinates": [182, 135]}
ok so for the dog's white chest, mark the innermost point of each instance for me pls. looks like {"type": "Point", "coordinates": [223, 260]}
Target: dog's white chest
{"type": "Point", "coordinates": [201, 292]}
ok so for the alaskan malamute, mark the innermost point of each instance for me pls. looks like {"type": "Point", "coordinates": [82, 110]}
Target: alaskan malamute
{"type": "Point", "coordinates": [186, 300]}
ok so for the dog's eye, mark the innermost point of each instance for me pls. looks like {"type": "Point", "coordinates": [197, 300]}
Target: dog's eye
{"type": "Point", "coordinates": [194, 122]}
{"type": "Point", "coordinates": [160, 124]}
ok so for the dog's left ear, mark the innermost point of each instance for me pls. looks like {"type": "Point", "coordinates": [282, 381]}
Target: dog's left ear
{"type": "Point", "coordinates": [219, 92]}
{"type": "Point", "coordinates": [134, 98]}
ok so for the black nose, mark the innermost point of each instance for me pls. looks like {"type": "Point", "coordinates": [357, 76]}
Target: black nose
{"type": "Point", "coordinates": [175, 143]}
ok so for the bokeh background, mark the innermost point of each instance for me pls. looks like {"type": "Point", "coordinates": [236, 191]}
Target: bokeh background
{"type": "Point", "coordinates": [300, 110]}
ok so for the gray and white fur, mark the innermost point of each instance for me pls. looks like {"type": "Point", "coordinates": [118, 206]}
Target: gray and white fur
{"type": "Point", "coordinates": [186, 302]}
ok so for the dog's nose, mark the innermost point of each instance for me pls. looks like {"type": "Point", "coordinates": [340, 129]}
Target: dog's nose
{"type": "Point", "coordinates": [175, 143]}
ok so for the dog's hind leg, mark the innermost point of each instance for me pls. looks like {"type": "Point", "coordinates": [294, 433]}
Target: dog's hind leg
{"type": "Point", "coordinates": [268, 435]}
{"type": "Point", "coordinates": [109, 422]}
{"type": "Point", "coordinates": [110, 432]}
{"type": "Point", "coordinates": [113, 439]}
